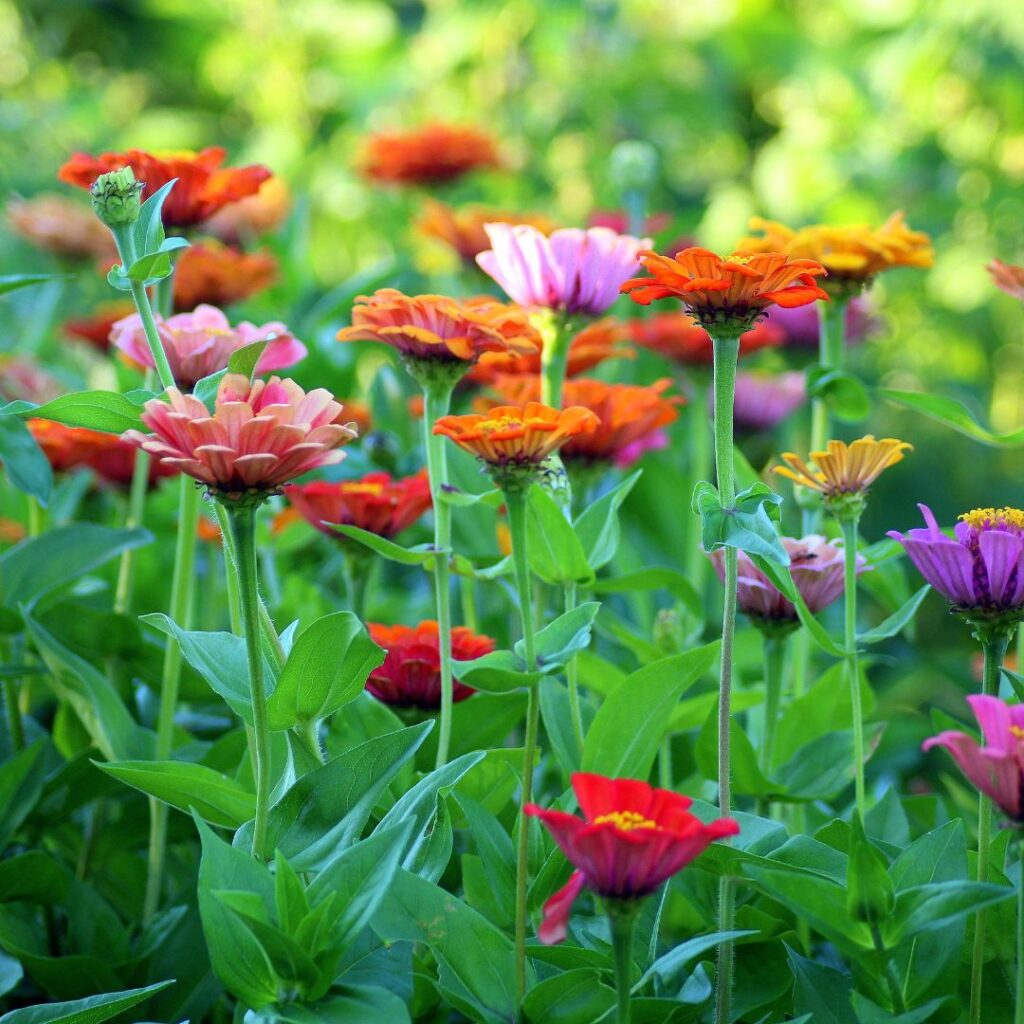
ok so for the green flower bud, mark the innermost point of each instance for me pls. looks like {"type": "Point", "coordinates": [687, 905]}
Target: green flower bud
{"type": "Point", "coordinates": [633, 166]}
{"type": "Point", "coordinates": [117, 197]}
{"type": "Point", "coordinates": [869, 890]}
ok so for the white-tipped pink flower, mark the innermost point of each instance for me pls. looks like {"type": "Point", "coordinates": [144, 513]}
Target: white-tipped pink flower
{"type": "Point", "coordinates": [201, 342]}
{"type": "Point", "coordinates": [570, 270]}
{"type": "Point", "coordinates": [260, 435]}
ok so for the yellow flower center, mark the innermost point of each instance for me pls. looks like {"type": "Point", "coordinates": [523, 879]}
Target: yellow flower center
{"type": "Point", "coordinates": [503, 423]}
{"type": "Point", "coordinates": [1017, 732]}
{"type": "Point", "coordinates": [626, 820]}
{"type": "Point", "coordinates": [980, 518]}
{"type": "Point", "coordinates": [373, 489]}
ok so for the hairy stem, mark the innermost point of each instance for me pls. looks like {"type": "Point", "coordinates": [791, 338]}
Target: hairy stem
{"type": "Point", "coordinates": [849, 528]}
{"type": "Point", "coordinates": [622, 927]}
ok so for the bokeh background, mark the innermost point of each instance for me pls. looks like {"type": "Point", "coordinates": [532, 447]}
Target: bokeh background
{"type": "Point", "coordinates": [800, 111]}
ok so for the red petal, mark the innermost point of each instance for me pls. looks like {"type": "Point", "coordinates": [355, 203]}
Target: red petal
{"type": "Point", "coordinates": [555, 923]}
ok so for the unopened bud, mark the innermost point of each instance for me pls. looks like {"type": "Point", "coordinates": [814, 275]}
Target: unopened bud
{"type": "Point", "coordinates": [117, 197]}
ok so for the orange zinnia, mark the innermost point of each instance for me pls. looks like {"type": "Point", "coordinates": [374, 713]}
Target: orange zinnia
{"type": "Point", "coordinates": [217, 274]}
{"type": "Point", "coordinates": [62, 226]}
{"type": "Point", "coordinates": [463, 230]}
{"type": "Point", "coordinates": [730, 292]}
{"type": "Point", "coordinates": [678, 337]}
{"type": "Point", "coordinates": [429, 155]}
{"type": "Point", "coordinates": [202, 188]}
{"type": "Point", "coordinates": [516, 435]}
{"type": "Point", "coordinates": [590, 347]}
{"type": "Point", "coordinates": [437, 328]}
{"type": "Point", "coordinates": [254, 215]}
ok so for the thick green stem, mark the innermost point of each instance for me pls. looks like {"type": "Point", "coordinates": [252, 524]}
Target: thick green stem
{"type": "Point", "coordinates": [727, 347]}
{"type": "Point", "coordinates": [849, 528]}
{"type": "Point", "coordinates": [516, 504]}
{"type": "Point", "coordinates": [243, 521]}
{"type": "Point", "coordinates": [437, 400]}
{"type": "Point", "coordinates": [554, 360]}
{"type": "Point", "coordinates": [180, 612]}
{"type": "Point", "coordinates": [354, 572]}
{"type": "Point", "coordinates": [698, 442]}
{"type": "Point", "coordinates": [622, 926]}
{"type": "Point", "coordinates": [995, 650]}
{"type": "Point", "coordinates": [895, 992]}
{"type": "Point", "coordinates": [572, 678]}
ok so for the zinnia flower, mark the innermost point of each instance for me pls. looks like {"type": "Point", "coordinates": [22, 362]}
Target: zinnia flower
{"type": "Point", "coordinates": [996, 768]}
{"type": "Point", "coordinates": [436, 328]}
{"type": "Point", "coordinates": [816, 566]}
{"type": "Point", "coordinates": [212, 273]}
{"type": "Point", "coordinates": [430, 155]}
{"type": "Point", "coordinates": [801, 326]}
{"type": "Point", "coordinates": [23, 378]}
{"type": "Point", "coordinates": [1007, 277]}
{"type": "Point", "coordinates": [375, 502]}
{"type": "Point", "coordinates": [570, 271]}
{"type": "Point", "coordinates": [463, 230]}
{"type": "Point", "coordinates": [516, 436]}
{"type": "Point", "coordinates": [260, 436]}
{"type": "Point", "coordinates": [852, 254]}
{"type": "Point", "coordinates": [96, 327]}
{"type": "Point", "coordinates": [597, 342]}
{"type": "Point", "coordinates": [630, 419]}
{"type": "Point", "coordinates": [253, 216]}
{"type": "Point", "coordinates": [734, 290]}
{"type": "Point", "coordinates": [62, 226]}
{"type": "Point", "coordinates": [631, 838]}
{"type": "Point", "coordinates": [678, 337]}
{"type": "Point", "coordinates": [202, 188]}
{"type": "Point", "coordinates": [410, 676]}
{"type": "Point", "coordinates": [201, 342]}
{"type": "Point", "coordinates": [764, 400]}
{"type": "Point", "coordinates": [981, 569]}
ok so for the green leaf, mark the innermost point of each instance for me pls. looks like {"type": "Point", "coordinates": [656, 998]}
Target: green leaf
{"type": "Point", "coordinates": [747, 777]}
{"type": "Point", "coordinates": [869, 889]}
{"type": "Point", "coordinates": [823, 768]}
{"type": "Point", "coordinates": [23, 460]}
{"type": "Point", "coordinates": [897, 621]}
{"type": "Point", "coordinates": [32, 877]}
{"type": "Point", "coordinates": [925, 908]}
{"type": "Point", "coordinates": [628, 727]}
{"type": "Point", "coordinates": [558, 641]}
{"type": "Point", "coordinates": [598, 525]}
{"type": "Point", "coordinates": [870, 1013]}
{"type": "Point", "coordinates": [206, 389]}
{"type": "Point", "coordinates": [667, 968]}
{"type": "Point", "coordinates": [244, 360]}
{"type": "Point", "coordinates": [822, 991]}
{"type": "Point", "coordinates": [365, 1004]}
{"type": "Point", "coordinates": [749, 525]}
{"type": "Point", "coordinates": [496, 672]}
{"type": "Point", "coordinates": [655, 578]}
{"type": "Point", "coordinates": [952, 413]}
{"type": "Point", "coordinates": [556, 555]}
{"type": "Point", "coordinates": [108, 411]}
{"type": "Point", "coordinates": [93, 1010]}
{"type": "Point", "coordinates": [326, 669]}
{"type": "Point", "coordinates": [217, 798]}
{"type": "Point", "coordinates": [578, 996]}
{"type": "Point", "coordinates": [422, 555]}
{"type": "Point", "coordinates": [845, 393]}
{"type": "Point", "coordinates": [12, 282]}
{"type": "Point", "coordinates": [148, 231]}
{"type": "Point", "coordinates": [21, 783]}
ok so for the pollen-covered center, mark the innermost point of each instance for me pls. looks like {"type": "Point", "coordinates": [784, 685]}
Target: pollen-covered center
{"type": "Point", "coordinates": [1017, 732]}
{"type": "Point", "coordinates": [501, 424]}
{"type": "Point", "coordinates": [626, 820]}
{"type": "Point", "coordinates": [994, 518]}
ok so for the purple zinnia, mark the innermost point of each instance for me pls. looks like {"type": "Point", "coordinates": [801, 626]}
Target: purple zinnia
{"type": "Point", "coordinates": [980, 571]}
{"type": "Point", "coordinates": [802, 327]}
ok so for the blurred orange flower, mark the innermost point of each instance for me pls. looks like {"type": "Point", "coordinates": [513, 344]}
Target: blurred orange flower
{"type": "Point", "coordinates": [429, 155]}
{"type": "Point", "coordinates": [434, 327]}
{"type": "Point", "coordinates": [21, 377]}
{"type": "Point", "coordinates": [218, 274]}
{"type": "Point", "coordinates": [96, 327]}
{"type": "Point", "coordinates": [11, 532]}
{"type": "Point", "coordinates": [253, 216]}
{"type": "Point", "coordinates": [62, 226]}
{"type": "Point", "coordinates": [516, 435]}
{"type": "Point", "coordinates": [202, 188]}
{"type": "Point", "coordinates": [732, 290]}
{"type": "Point", "coordinates": [463, 230]}
{"type": "Point", "coordinates": [1007, 277]}
{"type": "Point", "coordinates": [678, 337]}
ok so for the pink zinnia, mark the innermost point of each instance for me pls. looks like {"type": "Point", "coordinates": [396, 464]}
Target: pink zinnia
{"type": "Point", "coordinates": [260, 435]}
{"type": "Point", "coordinates": [764, 400]}
{"type": "Point", "coordinates": [996, 769]}
{"type": "Point", "coordinates": [570, 270]}
{"type": "Point", "coordinates": [201, 342]}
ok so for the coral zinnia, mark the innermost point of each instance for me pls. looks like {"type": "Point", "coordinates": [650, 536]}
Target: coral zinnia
{"type": "Point", "coordinates": [21, 377]}
{"type": "Point", "coordinates": [1008, 278]}
{"type": "Point", "coordinates": [375, 502]}
{"type": "Point", "coordinates": [411, 673]}
{"type": "Point", "coordinates": [678, 337]}
{"type": "Point", "coordinates": [429, 155]}
{"type": "Point", "coordinates": [62, 226]}
{"type": "Point", "coordinates": [570, 271]}
{"type": "Point", "coordinates": [252, 216]}
{"type": "Point", "coordinates": [202, 187]}
{"type": "Point", "coordinates": [727, 291]}
{"type": "Point", "coordinates": [212, 273]}
{"type": "Point", "coordinates": [997, 769]}
{"type": "Point", "coordinates": [980, 571]}
{"type": "Point", "coordinates": [463, 230]}
{"type": "Point", "coordinates": [436, 328]}
{"type": "Point", "coordinates": [260, 436]}
{"type": "Point", "coordinates": [631, 838]}
{"type": "Point", "coordinates": [201, 342]}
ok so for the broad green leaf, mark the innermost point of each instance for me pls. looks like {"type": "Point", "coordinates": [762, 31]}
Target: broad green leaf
{"type": "Point", "coordinates": [148, 231]}
{"type": "Point", "coordinates": [845, 394]}
{"type": "Point", "coordinates": [556, 555]}
{"type": "Point", "coordinates": [365, 1004]}
{"type": "Point", "coordinates": [32, 877]}
{"type": "Point", "coordinates": [820, 990]}
{"type": "Point", "coordinates": [655, 578]}
{"type": "Point", "coordinates": [558, 641]}
{"type": "Point", "coordinates": [936, 905]}
{"type": "Point", "coordinates": [326, 669]}
{"type": "Point", "coordinates": [496, 672]}
{"type": "Point", "coordinates": [216, 798]}
{"type": "Point", "coordinates": [748, 525]}
{"type": "Point", "coordinates": [668, 967]}
{"type": "Point", "coordinates": [598, 525]}
{"type": "Point", "coordinates": [896, 622]}
{"type": "Point", "coordinates": [23, 460]}
{"type": "Point", "coordinates": [628, 727]}
{"type": "Point", "coordinates": [92, 1010]}
{"type": "Point", "coordinates": [244, 360]}
{"type": "Point", "coordinates": [108, 411]}
{"type": "Point", "coordinates": [206, 389]}
{"type": "Point", "coordinates": [952, 413]}
{"type": "Point", "coordinates": [21, 783]}
{"type": "Point", "coordinates": [422, 555]}
{"type": "Point", "coordinates": [747, 777]}
{"type": "Point", "coordinates": [12, 282]}
{"type": "Point", "coordinates": [578, 996]}
{"type": "Point", "coordinates": [871, 1013]}
{"type": "Point", "coordinates": [823, 768]}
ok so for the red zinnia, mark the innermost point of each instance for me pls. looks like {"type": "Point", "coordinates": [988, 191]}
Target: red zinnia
{"type": "Point", "coordinates": [376, 503]}
{"type": "Point", "coordinates": [631, 838]}
{"type": "Point", "coordinates": [202, 188]}
{"type": "Point", "coordinates": [411, 674]}
{"type": "Point", "coordinates": [680, 338]}
{"type": "Point", "coordinates": [429, 155]}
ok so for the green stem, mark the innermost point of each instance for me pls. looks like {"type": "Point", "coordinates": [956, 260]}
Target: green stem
{"type": "Point", "coordinates": [467, 596]}
{"type": "Point", "coordinates": [775, 648]}
{"type": "Point", "coordinates": [622, 926]}
{"type": "Point", "coordinates": [699, 444]}
{"type": "Point", "coordinates": [437, 397]}
{"type": "Point", "coordinates": [727, 347]}
{"type": "Point", "coordinates": [134, 516]}
{"type": "Point", "coordinates": [516, 504]}
{"type": "Point", "coordinates": [243, 521]}
{"type": "Point", "coordinates": [849, 528]}
{"type": "Point", "coordinates": [554, 360]}
{"type": "Point", "coordinates": [354, 572]}
{"type": "Point", "coordinates": [895, 993]}
{"type": "Point", "coordinates": [995, 650]}
{"type": "Point", "coordinates": [572, 678]}
{"type": "Point", "coordinates": [36, 518]}
{"type": "Point", "coordinates": [231, 566]}
{"type": "Point", "coordinates": [1018, 1016]}
{"type": "Point", "coordinates": [831, 353]}
{"type": "Point", "coordinates": [180, 613]}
